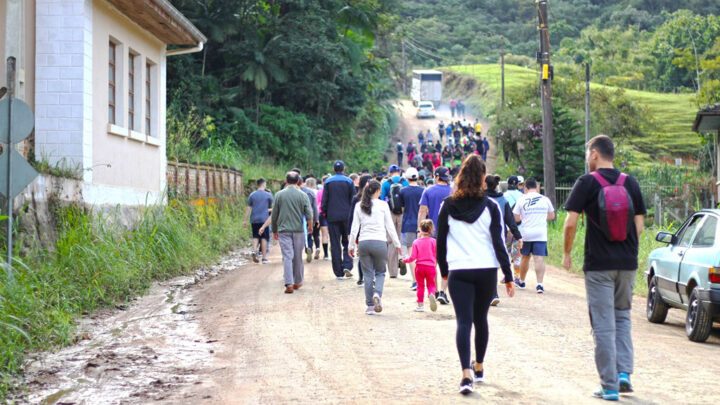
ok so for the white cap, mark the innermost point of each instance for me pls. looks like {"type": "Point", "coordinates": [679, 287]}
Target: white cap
{"type": "Point", "coordinates": [411, 173]}
{"type": "Point", "coordinates": [521, 180]}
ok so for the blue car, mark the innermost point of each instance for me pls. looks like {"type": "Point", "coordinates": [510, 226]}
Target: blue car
{"type": "Point", "coordinates": [686, 274]}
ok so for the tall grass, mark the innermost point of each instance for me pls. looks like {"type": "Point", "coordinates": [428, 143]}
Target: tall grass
{"type": "Point", "coordinates": [555, 247]}
{"type": "Point", "coordinates": [98, 264]}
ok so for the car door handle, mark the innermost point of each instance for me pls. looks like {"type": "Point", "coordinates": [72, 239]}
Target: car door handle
{"type": "Point", "coordinates": [680, 253]}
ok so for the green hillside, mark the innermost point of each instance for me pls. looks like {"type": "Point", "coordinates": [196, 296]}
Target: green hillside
{"type": "Point", "coordinates": [673, 114]}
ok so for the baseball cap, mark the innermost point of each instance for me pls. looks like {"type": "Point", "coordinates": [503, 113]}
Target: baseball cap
{"type": "Point", "coordinates": [521, 179]}
{"type": "Point", "coordinates": [393, 168]}
{"type": "Point", "coordinates": [442, 173]}
{"type": "Point", "coordinates": [411, 174]}
{"type": "Point", "coordinates": [338, 166]}
{"type": "Point", "coordinates": [512, 181]}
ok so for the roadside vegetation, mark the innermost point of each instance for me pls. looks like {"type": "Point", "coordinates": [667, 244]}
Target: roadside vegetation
{"type": "Point", "coordinates": [556, 249]}
{"type": "Point", "coordinates": [284, 84]}
{"type": "Point", "coordinates": [96, 263]}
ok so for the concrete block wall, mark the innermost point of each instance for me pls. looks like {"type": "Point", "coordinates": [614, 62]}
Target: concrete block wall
{"type": "Point", "coordinates": [63, 92]}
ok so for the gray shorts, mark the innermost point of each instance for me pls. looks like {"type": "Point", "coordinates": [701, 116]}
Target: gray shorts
{"type": "Point", "coordinates": [408, 238]}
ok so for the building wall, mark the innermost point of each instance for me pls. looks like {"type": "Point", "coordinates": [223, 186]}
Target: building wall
{"type": "Point", "coordinates": [136, 159]}
{"type": "Point", "coordinates": [63, 94]}
{"type": "Point", "coordinates": [118, 166]}
{"type": "Point", "coordinates": [26, 62]}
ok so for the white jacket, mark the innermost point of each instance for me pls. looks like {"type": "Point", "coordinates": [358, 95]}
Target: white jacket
{"type": "Point", "coordinates": [378, 226]}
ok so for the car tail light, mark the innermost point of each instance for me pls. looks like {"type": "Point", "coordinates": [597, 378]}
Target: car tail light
{"type": "Point", "coordinates": [418, 110]}
{"type": "Point", "coordinates": [714, 274]}
{"type": "Point", "coordinates": [433, 108]}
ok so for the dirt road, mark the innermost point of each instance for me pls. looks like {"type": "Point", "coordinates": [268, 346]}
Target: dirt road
{"type": "Point", "coordinates": [237, 339]}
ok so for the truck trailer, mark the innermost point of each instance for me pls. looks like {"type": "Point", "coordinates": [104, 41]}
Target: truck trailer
{"type": "Point", "coordinates": [426, 86]}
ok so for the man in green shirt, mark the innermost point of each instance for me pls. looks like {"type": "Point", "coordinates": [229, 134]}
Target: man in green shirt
{"type": "Point", "coordinates": [287, 224]}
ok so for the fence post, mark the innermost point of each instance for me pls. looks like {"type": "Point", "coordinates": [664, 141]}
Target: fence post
{"type": "Point", "coordinates": [658, 211]}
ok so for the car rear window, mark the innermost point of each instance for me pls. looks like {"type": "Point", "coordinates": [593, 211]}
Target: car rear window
{"type": "Point", "coordinates": [426, 105]}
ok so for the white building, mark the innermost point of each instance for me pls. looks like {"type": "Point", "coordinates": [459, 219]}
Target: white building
{"type": "Point", "coordinates": [94, 73]}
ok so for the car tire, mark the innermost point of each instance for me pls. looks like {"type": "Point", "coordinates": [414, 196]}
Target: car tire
{"type": "Point", "coordinates": [698, 322]}
{"type": "Point", "coordinates": [657, 309]}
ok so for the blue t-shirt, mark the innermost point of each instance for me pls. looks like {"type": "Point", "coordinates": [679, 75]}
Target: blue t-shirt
{"type": "Point", "coordinates": [385, 190]}
{"type": "Point", "coordinates": [410, 200]}
{"type": "Point", "coordinates": [260, 201]}
{"type": "Point", "coordinates": [433, 198]}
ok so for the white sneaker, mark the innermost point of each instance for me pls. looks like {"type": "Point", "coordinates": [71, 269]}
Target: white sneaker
{"type": "Point", "coordinates": [378, 303]}
{"type": "Point", "coordinates": [370, 310]}
{"type": "Point", "coordinates": [433, 302]}
{"type": "Point", "coordinates": [419, 309]}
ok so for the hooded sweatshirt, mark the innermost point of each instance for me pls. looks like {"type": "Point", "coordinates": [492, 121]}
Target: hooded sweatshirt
{"type": "Point", "coordinates": [507, 214]}
{"type": "Point", "coordinates": [470, 236]}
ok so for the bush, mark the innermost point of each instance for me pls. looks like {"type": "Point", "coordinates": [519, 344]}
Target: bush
{"type": "Point", "coordinates": [97, 264]}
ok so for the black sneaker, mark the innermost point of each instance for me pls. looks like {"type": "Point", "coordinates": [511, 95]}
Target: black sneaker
{"type": "Point", "coordinates": [442, 298]}
{"type": "Point", "coordinates": [466, 386]}
{"type": "Point", "coordinates": [478, 375]}
{"type": "Point", "coordinates": [403, 267]}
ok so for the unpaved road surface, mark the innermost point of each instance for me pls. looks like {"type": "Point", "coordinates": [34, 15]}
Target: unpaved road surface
{"type": "Point", "coordinates": [238, 339]}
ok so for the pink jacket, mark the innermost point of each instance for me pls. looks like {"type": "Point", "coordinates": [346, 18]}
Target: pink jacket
{"type": "Point", "coordinates": [424, 252]}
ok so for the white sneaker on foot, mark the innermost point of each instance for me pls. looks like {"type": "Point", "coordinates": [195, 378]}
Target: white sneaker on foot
{"type": "Point", "coordinates": [419, 308]}
{"type": "Point", "coordinates": [370, 310]}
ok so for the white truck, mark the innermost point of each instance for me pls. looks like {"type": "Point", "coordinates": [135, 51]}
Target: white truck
{"type": "Point", "coordinates": [426, 86]}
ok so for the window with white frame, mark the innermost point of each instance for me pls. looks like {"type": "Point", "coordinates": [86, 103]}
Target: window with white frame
{"type": "Point", "coordinates": [112, 83]}
{"type": "Point", "coordinates": [150, 95]}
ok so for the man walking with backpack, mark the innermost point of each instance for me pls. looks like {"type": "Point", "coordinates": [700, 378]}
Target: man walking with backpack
{"type": "Point", "coordinates": [399, 148]}
{"type": "Point", "coordinates": [390, 192]}
{"type": "Point", "coordinates": [615, 210]}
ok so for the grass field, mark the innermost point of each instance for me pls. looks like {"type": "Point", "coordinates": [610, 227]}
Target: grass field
{"type": "Point", "coordinates": [673, 113]}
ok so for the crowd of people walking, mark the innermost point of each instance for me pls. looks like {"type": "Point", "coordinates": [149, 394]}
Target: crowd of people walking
{"type": "Point", "coordinates": [452, 216]}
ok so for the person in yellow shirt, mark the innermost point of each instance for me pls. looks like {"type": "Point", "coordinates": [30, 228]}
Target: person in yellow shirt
{"type": "Point", "coordinates": [478, 127]}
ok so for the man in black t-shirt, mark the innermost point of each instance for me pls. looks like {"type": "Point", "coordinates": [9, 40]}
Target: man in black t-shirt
{"type": "Point", "coordinates": [609, 268]}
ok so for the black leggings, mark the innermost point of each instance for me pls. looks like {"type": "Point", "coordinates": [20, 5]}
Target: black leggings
{"type": "Point", "coordinates": [471, 292]}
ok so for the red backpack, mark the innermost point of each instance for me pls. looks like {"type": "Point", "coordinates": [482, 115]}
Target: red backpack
{"type": "Point", "coordinates": [616, 208]}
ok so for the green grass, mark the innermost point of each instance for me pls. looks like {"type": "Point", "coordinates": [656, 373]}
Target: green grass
{"type": "Point", "coordinates": [673, 114]}
{"type": "Point", "coordinates": [555, 248]}
{"type": "Point", "coordinates": [96, 264]}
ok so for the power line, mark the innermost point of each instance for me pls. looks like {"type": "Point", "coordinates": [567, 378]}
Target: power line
{"type": "Point", "coordinates": [428, 53]}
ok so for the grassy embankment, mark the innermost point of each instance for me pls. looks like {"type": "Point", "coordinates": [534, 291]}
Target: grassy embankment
{"type": "Point", "coordinates": [673, 114]}
{"type": "Point", "coordinates": [555, 248]}
{"type": "Point", "coordinates": [96, 264]}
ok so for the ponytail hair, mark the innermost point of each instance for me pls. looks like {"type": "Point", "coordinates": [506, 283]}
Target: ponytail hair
{"type": "Point", "coordinates": [492, 181]}
{"type": "Point", "coordinates": [370, 189]}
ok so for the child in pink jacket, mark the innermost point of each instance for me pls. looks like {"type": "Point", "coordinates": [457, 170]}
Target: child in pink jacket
{"type": "Point", "coordinates": [423, 253]}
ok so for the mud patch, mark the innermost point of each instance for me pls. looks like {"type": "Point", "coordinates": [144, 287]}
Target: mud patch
{"type": "Point", "coordinates": [144, 352]}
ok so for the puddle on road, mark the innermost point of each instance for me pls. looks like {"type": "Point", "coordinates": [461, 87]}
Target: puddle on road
{"type": "Point", "coordinates": [148, 352]}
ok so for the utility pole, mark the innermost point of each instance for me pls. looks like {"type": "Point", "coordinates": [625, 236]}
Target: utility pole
{"type": "Point", "coordinates": [502, 72]}
{"type": "Point", "coordinates": [546, 97]}
{"type": "Point", "coordinates": [404, 66]}
{"type": "Point", "coordinates": [587, 109]}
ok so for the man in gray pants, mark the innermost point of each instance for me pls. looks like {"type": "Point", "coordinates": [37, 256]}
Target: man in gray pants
{"type": "Point", "coordinates": [611, 261]}
{"type": "Point", "coordinates": [287, 224]}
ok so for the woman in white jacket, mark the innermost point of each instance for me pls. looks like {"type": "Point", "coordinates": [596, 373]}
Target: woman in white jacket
{"type": "Point", "coordinates": [470, 248]}
{"type": "Point", "coordinates": [371, 226]}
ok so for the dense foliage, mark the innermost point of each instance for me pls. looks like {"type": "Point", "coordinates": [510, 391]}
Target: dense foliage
{"type": "Point", "coordinates": [292, 80]}
{"type": "Point", "coordinates": [659, 45]}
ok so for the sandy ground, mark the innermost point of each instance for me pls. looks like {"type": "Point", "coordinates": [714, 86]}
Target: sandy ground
{"type": "Point", "coordinates": [238, 339]}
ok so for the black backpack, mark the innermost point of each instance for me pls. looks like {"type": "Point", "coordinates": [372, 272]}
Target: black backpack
{"type": "Point", "coordinates": [399, 148]}
{"type": "Point", "coordinates": [394, 197]}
